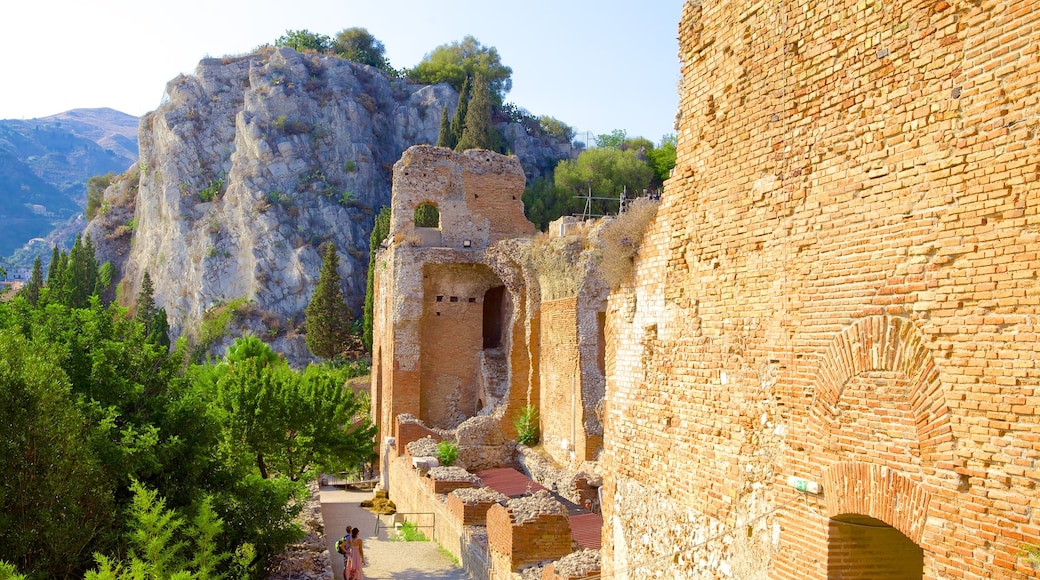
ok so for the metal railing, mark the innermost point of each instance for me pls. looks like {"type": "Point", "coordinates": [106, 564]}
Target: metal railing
{"type": "Point", "coordinates": [393, 525]}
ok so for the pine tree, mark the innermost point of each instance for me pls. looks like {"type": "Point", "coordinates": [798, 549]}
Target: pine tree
{"type": "Point", "coordinates": [476, 133]}
{"type": "Point", "coordinates": [145, 300]}
{"type": "Point", "coordinates": [156, 327]}
{"type": "Point", "coordinates": [31, 290]}
{"type": "Point", "coordinates": [444, 138]}
{"type": "Point", "coordinates": [54, 267]}
{"type": "Point", "coordinates": [328, 317]}
{"type": "Point", "coordinates": [458, 124]}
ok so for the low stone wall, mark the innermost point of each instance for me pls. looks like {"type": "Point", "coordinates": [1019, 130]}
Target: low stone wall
{"type": "Point", "coordinates": [527, 530]}
{"type": "Point", "coordinates": [412, 494]}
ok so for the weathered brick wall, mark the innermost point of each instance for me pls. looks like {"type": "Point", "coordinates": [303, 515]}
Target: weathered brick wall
{"type": "Point", "coordinates": [840, 285]}
{"type": "Point", "coordinates": [450, 337]}
{"type": "Point", "coordinates": [559, 359]}
{"type": "Point", "coordinates": [544, 538]}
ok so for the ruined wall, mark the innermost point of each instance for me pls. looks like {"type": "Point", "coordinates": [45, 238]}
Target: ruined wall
{"type": "Point", "coordinates": [431, 358]}
{"type": "Point", "coordinates": [840, 285]}
{"type": "Point", "coordinates": [560, 383]}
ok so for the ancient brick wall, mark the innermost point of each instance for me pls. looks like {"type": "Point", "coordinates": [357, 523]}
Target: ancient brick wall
{"type": "Point", "coordinates": [560, 381]}
{"type": "Point", "coordinates": [841, 286]}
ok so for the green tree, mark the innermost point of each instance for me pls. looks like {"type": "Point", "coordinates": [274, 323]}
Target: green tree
{"type": "Point", "coordinates": [55, 501]}
{"type": "Point", "coordinates": [161, 546]}
{"type": "Point", "coordinates": [458, 122]}
{"type": "Point", "coordinates": [453, 63]}
{"type": "Point", "coordinates": [380, 230]}
{"type": "Point", "coordinates": [607, 173]}
{"type": "Point", "coordinates": [444, 136]}
{"type": "Point", "coordinates": [358, 44]}
{"type": "Point", "coordinates": [544, 202]}
{"type": "Point", "coordinates": [613, 140]}
{"type": "Point", "coordinates": [554, 127]}
{"type": "Point", "coordinates": [55, 266]}
{"type": "Point", "coordinates": [292, 422]}
{"type": "Point", "coordinates": [478, 133]}
{"type": "Point", "coordinates": [96, 191]}
{"type": "Point", "coordinates": [31, 290]}
{"type": "Point", "coordinates": [328, 316]}
{"type": "Point", "coordinates": [304, 40]}
{"type": "Point", "coordinates": [662, 159]}
{"type": "Point", "coordinates": [156, 326]}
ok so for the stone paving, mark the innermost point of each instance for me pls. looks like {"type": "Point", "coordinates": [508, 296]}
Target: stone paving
{"type": "Point", "coordinates": [386, 558]}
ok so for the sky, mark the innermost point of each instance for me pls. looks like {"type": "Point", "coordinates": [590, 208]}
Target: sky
{"type": "Point", "coordinates": [597, 65]}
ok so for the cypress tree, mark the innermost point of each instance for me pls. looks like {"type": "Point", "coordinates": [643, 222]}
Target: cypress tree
{"type": "Point", "coordinates": [31, 290]}
{"type": "Point", "coordinates": [444, 138]}
{"type": "Point", "coordinates": [54, 267]}
{"type": "Point", "coordinates": [476, 132]}
{"type": "Point", "coordinates": [145, 301]}
{"type": "Point", "coordinates": [458, 124]}
{"type": "Point", "coordinates": [380, 231]}
{"type": "Point", "coordinates": [328, 317]}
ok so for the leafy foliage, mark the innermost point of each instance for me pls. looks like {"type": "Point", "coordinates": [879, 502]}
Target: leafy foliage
{"type": "Point", "coordinates": [526, 424]}
{"type": "Point", "coordinates": [358, 44]}
{"type": "Point", "coordinates": [329, 332]}
{"type": "Point", "coordinates": [56, 503]}
{"type": "Point", "coordinates": [454, 63]}
{"type": "Point", "coordinates": [304, 40]}
{"type": "Point", "coordinates": [447, 452]}
{"type": "Point", "coordinates": [95, 192]}
{"type": "Point", "coordinates": [605, 173]}
{"type": "Point", "coordinates": [91, 403]}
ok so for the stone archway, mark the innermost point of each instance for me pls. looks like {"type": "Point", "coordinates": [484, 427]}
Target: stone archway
{"type": "Point", "coordinates": [886, 343]}
{"type": "Point", "coordinates": [877, 518]}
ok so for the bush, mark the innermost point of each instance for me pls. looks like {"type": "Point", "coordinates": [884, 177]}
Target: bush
{"type": "Point", "coordinates": [447, 452]}
{"type": "Point", "coordinates": [527, 426]}
{"type": "Point", "coordinates": [409, 532]}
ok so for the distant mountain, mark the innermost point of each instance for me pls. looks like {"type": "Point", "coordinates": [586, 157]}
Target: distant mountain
{"type": "Point", "coordinates": [44, 167]}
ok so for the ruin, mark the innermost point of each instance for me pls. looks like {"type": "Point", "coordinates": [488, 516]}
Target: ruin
{"type": "Point", "coordinates": [823, 362]}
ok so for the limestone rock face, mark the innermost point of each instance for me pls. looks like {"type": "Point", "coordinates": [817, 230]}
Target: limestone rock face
{"type": "Point", "coordinates": [247, 168]}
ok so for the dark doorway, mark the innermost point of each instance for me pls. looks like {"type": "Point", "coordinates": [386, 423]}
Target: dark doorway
{"type": "Point", "coordinates": [864, 548]}
{"type": "Point", "coordinates": [493, 314]}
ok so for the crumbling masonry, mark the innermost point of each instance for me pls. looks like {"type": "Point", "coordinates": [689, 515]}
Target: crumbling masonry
{"type": "Point", "coordinates": [825, 362]}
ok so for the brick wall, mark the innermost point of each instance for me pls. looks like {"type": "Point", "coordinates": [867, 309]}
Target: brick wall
{"type": "Point", "coordinates": [545, 537]}
{"type": "Point", "coordinates": [840, 285]}
{"type": "Point", "coordinates": [560, 381]}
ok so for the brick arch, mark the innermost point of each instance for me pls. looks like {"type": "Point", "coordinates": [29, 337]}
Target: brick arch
{"type": "Point", "coordinates": [879, 492]}
{"type": "Point", "coordinates": [886, 343]}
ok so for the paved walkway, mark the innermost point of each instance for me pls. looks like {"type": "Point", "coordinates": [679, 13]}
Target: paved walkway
{"type": "Point", "coordinates": [387, 559]}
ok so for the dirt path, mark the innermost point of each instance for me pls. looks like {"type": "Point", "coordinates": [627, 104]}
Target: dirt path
{"type": "Point", "coordinates": [387, 559]}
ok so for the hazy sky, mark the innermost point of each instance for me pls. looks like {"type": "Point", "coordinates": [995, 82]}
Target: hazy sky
{"type": "Point", "coordinates": [596, 65]}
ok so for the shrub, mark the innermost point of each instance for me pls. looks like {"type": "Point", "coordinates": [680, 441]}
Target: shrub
{"type": "Point", "coordinates": [447, 452]}
{"type": "Point", "coordinates": [213, 191]}
{"type": "Point", "coordinates": [409, 532]}
{"type": "Point", "coordinates": [621, 238]}
{"type": "Point", "coordinates": [527, 426]}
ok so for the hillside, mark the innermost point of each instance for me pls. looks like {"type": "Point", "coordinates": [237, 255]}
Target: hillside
{"type": "Point", "coordinates": [45, 164]}
{"type": "Point", "coordinates": [252, 164]}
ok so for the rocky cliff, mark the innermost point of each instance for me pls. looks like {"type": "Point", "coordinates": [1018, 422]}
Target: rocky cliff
{"type": "Point", "coordinates": [250, 165]}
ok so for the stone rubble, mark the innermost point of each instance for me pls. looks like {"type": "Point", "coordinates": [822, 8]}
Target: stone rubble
{"type": "Point", "coordinates": [529, 507]}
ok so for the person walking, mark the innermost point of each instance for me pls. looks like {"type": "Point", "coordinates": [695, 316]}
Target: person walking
{"type": "Point", "coordinates": [343, 546]}
{"type": "Point", "coordinates": [355, 558]}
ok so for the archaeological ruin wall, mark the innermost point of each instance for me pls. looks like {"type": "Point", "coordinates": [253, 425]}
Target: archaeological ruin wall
{"type": "Point", "coordinates": [839, 295]}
